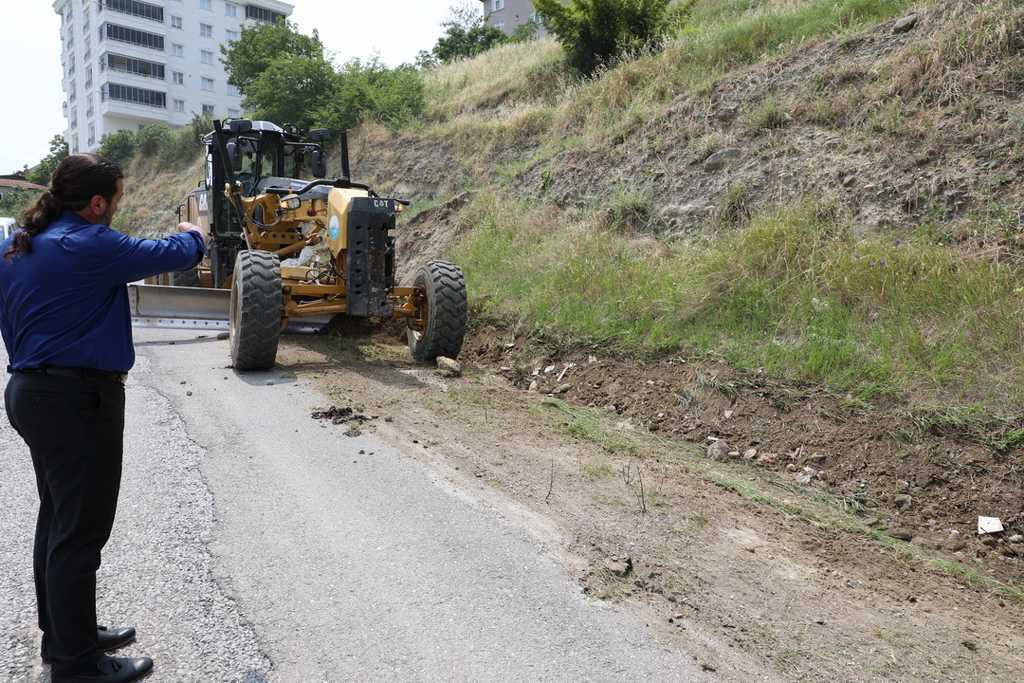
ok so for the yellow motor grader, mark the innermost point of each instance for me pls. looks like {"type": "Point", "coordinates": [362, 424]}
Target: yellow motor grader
{"type": "Point", "coordinates": [287, 253]}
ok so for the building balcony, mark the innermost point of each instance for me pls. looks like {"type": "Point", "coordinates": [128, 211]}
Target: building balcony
{"type": "Point", "coordinates": [145, 113]}
{"type": "Point", "coordinates": [144, 11]}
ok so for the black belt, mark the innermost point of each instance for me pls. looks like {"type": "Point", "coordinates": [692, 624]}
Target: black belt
{"type": "Point", "coordinates": [77, 373]}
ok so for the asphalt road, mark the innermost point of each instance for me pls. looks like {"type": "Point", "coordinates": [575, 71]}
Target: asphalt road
{"type": "Point", "coordinates": [254, 545]}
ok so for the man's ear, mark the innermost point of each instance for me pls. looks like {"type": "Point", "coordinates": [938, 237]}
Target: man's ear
{"type": "Point", "coordinates": [98, 205]}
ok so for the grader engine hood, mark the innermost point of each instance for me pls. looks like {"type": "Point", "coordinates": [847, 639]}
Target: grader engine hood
{"type": "Point", "coordinates": [359, 236]}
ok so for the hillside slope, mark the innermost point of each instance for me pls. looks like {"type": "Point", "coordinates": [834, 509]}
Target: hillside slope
{"type": "Point", "coordinates": [796, 229]}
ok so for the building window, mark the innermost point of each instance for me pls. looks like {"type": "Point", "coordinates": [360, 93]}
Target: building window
{"type": "Point", "coordinates": [234, 91]}
{"type": "Point", "coordinates": [262, 14]}
{"type": "Point", "coordinates": [72, 91]}
{"type": "Point", "coordinates": [133, 36]}
{"type": "Point", "coordinates": [207, 110]}
{"type": "Point", "coordinates": [74, 118]}
{"type": "Point", "coordinates": [88, 48]}
{"type": "Point", "coordinates": [132, 95]}
{"type": "Point", "coordinates": [134, 66]}
{"type": "Point", "coordinates": [231, 35]}
{"type": "Point", "coordinates": [208, 84]}
{"type": "Point", "coordinates": [205, 4]}
{"type": "Point", "coordinates": [92, 133]}
{"type": "Point", "coordinates": [179, 78]}
{"type": "Point", "coordinates": [88, 78]}
{"type": "Point", "coordinates": [176, 22]}
{"type": "Point", "coordinates": [230, 9]}
{"type": "Point", "coordinates": [497, 5]}
{"type": "Point", "coordinates": [207, 57]}
{"type": "Point", "coordinates": [135, 8]}
{"type": "Point", "coordinates": [234, 114]}
{"type": "Point", "coordinates": [206, 30]}
{"type": "Point", "coordinates": [179, 106]}
{"type": "Point", "coordinates": [179, 50]}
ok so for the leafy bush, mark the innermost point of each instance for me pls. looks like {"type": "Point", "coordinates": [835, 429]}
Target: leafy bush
{"type": "Point", "coordinates": [118, 147]}
{"type": "Point", "coordinates": [151, 140]}
{"type": "Point", "coordinates": [594, 32]}
{"type": "Point", "coordinates": [369, 90]}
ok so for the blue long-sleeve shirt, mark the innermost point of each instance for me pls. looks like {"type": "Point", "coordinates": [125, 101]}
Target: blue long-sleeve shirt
{"type": "Point", "coordinates": [65, 304]}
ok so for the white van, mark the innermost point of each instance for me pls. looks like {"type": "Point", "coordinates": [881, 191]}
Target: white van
{"type": "Point", "coordinates": [7, 226]}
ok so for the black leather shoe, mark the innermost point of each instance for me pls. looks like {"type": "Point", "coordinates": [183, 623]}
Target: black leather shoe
{"type": "Point", "coordinates": [108, 639]}
{"type": "Point", "coordinates": [111, 639]}
{"type": "Point", "coordinates": [104, 669]}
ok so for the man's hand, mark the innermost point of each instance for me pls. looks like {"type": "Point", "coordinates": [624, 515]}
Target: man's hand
{"type": "Point", "coordinates": [198, 229]}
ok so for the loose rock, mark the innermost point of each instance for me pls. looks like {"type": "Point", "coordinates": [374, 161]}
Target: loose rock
{"type": "Point", "coordinates": [447, 367]}
{"type": "Point", "coordinates": [903, 501]}
{"type": "Point", "coordinates": [719, 450]}
{"type": "Point", "coordinates": [720, 159]}
{"type": "Point", "coordinates": [620, 568]}
{"type": "Point", "coordinates": [905, 24]}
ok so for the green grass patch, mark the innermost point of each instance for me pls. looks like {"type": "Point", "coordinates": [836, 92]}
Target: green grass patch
{"type": "Point", "coordinates": [792, 291]}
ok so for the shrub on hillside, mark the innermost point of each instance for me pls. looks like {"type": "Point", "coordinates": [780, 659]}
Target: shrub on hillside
{"type": "Point", "coordinates": [594, 32]}
{"type": "Point", "coordinates": [370, 91]}
{"type": "Point", "coordinates": [118, 147]}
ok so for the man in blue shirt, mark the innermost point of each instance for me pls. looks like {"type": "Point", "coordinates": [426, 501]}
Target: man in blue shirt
{"type": "Point", "coordinates": [66, 324]}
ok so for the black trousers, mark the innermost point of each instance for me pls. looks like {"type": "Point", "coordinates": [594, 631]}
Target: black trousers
{"type": "Point", "coordinates": [74, 428]}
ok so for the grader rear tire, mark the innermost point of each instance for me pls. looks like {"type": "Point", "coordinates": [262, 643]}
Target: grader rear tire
{"type": "Point", "coordinates": [447, 312]}
{"type": "Point", "coordinates": [257, 307]}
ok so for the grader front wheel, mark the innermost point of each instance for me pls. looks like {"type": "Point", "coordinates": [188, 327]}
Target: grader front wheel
{"type": "Point", "coordinates": [257, 307]}
{"type": "Point", "coordinates": [443, 322]}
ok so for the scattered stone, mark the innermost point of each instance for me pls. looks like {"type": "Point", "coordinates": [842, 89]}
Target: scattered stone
{"type": "Point", "coordinates": [182, 382]}
{"type": "Point", "coordinates": [534, 386]}
{"type": "Point", "coordinates": [852, 583]}
{"type": "Point", "coordinates": [592, 359]}
{"type": "Point", "coordinates": [620, 568]}
{"type": "Point", "coordinates": [905, 24]}
{"type": "Point", "coordinates": [750, 454]}
{"type": "Point", "coordinates": [352, 432]}
{"type": "Point", "coordinates": [902, 534]}
{"type": "Point", "coordinates": [562, 389]}
{"type": "Point", "coordinates": [549, 369]}
{"type": "Point", "coordinates": [447, 367]}
{"type": "Point", "coordinates": [818, 460]}
{"type": "Point", "coordinates": [970, 645]}
{"type": "Point", "coordinates": [389, 419]}
{"type": "Point", "coordinates": [728, 414]}
{"type": "Point", "coordinates": [720, 159]}
{"type": "Point", "coordinates": [338, 416]}
{"type": "Point", "coordinates": [719, 450]}
{"type": "Point", "coordinates": [188, 393]}
{"type": "Point", "coordinates": [1016, 538]}
{"type": "Point", "coordinates": [903, 501]}
{"type": "Point", "coordinates": [806, 475]}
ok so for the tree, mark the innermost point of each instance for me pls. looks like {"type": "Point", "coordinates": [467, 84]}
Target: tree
{"type": "Point", "coordinates": [58, 152]}
{"type": "Point", "coordinates": [291, 89]}
{"type": "Point", "coordinates": [369, 90]}
{"type": "Point", "coordinates": [466, 34]}
{"type": "Point", "coordinates": [594, 32]}
{"type": "Point", "coordinates": [247, 58]}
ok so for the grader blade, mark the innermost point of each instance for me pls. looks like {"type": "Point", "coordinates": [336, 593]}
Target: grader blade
{"type": "Point", "coordinates": [194, 308]}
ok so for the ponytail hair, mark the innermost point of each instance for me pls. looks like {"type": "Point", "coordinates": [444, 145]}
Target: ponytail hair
{"type": "Point", "coordinates": [77, 179]}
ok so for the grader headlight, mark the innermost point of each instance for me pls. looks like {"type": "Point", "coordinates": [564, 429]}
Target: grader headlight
{"type": "Point", "coordinates": [291, 202]}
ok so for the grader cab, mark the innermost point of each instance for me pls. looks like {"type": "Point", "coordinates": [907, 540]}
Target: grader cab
{"type": "Point", "coordinates": [295, 252]}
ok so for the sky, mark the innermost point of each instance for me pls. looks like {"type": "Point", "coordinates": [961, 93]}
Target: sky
{"type": "Point", "coordinates": [30, 115]}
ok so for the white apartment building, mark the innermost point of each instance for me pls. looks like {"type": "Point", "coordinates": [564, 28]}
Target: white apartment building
{"type": "Point", "coordinates": [133, 63]}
